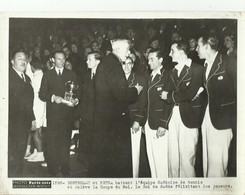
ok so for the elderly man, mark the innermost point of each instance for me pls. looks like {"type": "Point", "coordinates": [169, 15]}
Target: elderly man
{"type": "Point", "coordinates": [220, 110]}
{"type": "Point", "coordinates": [184, 95]}
{"type": "Point", "coordinates": [111, 151]}
{"type": "Point", "coordinates": [59, 115]}
{"type": "Point", "coordinates": [21, 116]}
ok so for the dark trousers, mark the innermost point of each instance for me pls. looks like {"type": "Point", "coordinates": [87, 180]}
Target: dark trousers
{"type": "Point", "coordinates": [58, 139]}
{"type": "Point", "coordinates": [111, 151]}
{"type": "Point", "coordinates": [16, 152]}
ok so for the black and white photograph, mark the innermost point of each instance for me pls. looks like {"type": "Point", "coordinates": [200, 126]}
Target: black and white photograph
{"type": "Point", "coordinates": [142, 101]}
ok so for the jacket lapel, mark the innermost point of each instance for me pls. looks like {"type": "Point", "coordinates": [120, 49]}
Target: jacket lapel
{"type": "Point", "coordinates": [157, 79]}
{"type": "Point", "coordinates": [215, 66]}
{"type": "Point", "coordinates": [131, 79]}
{"type": "Point", "coordinates": [183, 74]}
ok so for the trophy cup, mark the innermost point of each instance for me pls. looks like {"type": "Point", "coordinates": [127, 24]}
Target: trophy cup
{"type": "Point", "coordinates": [69, 94]}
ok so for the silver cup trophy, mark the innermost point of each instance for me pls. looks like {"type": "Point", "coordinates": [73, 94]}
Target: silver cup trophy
{"type": "Point", "coordinates": [71, 87]}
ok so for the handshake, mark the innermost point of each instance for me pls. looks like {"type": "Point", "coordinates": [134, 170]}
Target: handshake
{"type": "Point", "coordinates": [58, 100]}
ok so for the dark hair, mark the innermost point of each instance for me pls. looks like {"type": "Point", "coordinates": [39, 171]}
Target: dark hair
{"type": "Point", "coordinates": [37, 64]}
{"type": "Point", "coordinates": [17, 51]}
{"type": "Point", "coordinates": [158, 51]}
{"type": "Point", "coordinates": [97, 55]}
{"type": "Point", "coordinates": [181, 45]}
{"type": "Point", "coordinates": [210, 40]}
{"type": "Point", "coordinates": [58, 51]}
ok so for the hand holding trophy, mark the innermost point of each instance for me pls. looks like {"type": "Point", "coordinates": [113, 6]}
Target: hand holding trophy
{"type": "Point", "coordinates": [69, 99]}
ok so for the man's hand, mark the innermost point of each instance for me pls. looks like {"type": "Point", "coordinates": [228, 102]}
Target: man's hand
{"type": "Point", "coordinates": [33, 125]}
{"type": "Point", "coordinates": [164, 95]}
{"type": "Point", "coordinates": [74, 101]}
{"type": "Point", "coordinates": [57, 99]}
{"type": "Point", "coordinates": [139, 88]}
{"type": "Point", "coordinates": [160, 132]}
{"type": "Point", "coordinates": [135, 127]}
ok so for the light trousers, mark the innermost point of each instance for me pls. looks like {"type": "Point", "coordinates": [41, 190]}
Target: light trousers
{"type": "Point", "coordinates": [135, 143]}
{"type": "Point", "coordinates": [181, 147]}
{"type": "Point", "coordinates": [216, 145]}
{"type": "Point", "coordinates": [157, 152]}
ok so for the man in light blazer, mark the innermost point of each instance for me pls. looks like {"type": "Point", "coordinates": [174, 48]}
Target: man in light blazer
{"type": "Point", "coordinates": [220, 110]}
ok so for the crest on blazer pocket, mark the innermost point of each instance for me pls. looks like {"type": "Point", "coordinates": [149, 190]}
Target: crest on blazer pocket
{"type": "Point", "coordinates": [159, 88]}
{"type": "Point", "coordinates": [220, 78]}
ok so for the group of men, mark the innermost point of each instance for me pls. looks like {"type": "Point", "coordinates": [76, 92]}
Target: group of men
{"type": "Point", "coordinates": [115, 106]}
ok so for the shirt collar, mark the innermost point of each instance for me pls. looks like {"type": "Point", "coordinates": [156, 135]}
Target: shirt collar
{"type": "Point", "coordinates": [18, 72]}
{"type": "Point", "coordinates": [183, 63]}
{"type": "Point", "coordinates": [59, 69]}
{"type": "Point", "coordinates": [212, 60]}
{"type": "Point", "coordinates": [93, 70]}
{"type": "Point", "coordinates": [157, 71]}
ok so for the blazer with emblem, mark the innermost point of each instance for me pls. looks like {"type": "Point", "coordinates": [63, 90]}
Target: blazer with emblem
{"type": "Point", "coordinates": [221, 86]}
{"type": "Point", "coordinates": [137, 110]}
{"type": "Point", "coordinates": [21, 97]}
{"type": "Point", "coordinates": [53, 84]}
{"type": "Point", "coordinates": [183, 92]}
{"type": "Point", "coordinates": [156, 106]}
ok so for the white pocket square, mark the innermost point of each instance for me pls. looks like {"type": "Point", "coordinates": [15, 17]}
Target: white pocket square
{"type": "Point", "coordinates": [200, 90]}
{"type": "Point", "coordinates": [188, 83]}
{"type": "Point", "coordinates": [159, 89]}
{"type": "Point", "coordinates": [220, 78]}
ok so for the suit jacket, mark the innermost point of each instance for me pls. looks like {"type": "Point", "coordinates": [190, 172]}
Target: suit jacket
{"type": "Point", "coordinates": [53, 84]}
{"type": "Point", "coordinates": [183, 91]}
{"type": "Point", "coordinates": [21, 97]}
{"type": "Point", "coordinates": [85, 109]}
{"type": "Point", "coordinates": [221, 86]}
{"type": "Point", "coordinates": [137, 111]}
{"type": "Point", "coordinates": [155, 109]}
{"type": "Point", "coordinates": [112, 94]}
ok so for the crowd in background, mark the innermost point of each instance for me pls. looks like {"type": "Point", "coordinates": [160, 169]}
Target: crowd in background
{"type": "Point", "coordinates": [40, 38]}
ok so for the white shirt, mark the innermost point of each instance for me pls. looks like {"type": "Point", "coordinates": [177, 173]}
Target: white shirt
{"type": "Point", "coordinates": [155, 72]}
{"type": "Point", "coordinates": [181, 65]}
{"type": "Point", "coordinates": [59, 69]}
{"type": "Point", "coordinates": [20, 73]}
{"type": "Point", "coordinates": [210, 64]}
{"type": "Point", "coordinates": [93, 71]}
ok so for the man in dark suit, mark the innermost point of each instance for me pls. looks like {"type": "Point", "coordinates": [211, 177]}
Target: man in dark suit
{"type": "Point", "coordinates": [21, 116]}
{"type": "Point", "coordinates": [85, 110]}
{"type": "Point", "coordinates": [185, 116]}
{"type": "Point", "coordinates": [111, 151]}
{"type": "Point", "coordinates": [220, 110]}
{"type": "Point", "coordinates": [137, 112]}
{"type": "Point", "coordinates": [155, 131]}
{"type": "Point", "coordinates": [59, 115]}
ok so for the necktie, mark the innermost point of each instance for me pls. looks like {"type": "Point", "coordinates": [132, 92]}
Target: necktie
{"type": "Point", "coordinates": [23, 78]}
{"type": "Point", "coordinates": [59, 73]}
